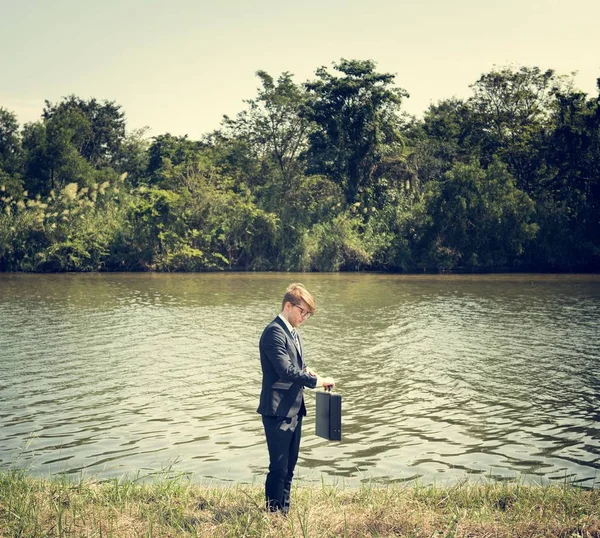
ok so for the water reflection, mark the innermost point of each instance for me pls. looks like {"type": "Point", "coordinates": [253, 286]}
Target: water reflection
{"type": "Point", "coordinates": [441, 376]}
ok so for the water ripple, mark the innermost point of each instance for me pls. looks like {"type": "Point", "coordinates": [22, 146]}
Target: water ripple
{"type": "Point", "coordinates": [442, 377]}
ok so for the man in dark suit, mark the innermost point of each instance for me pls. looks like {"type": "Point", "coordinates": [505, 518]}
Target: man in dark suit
{"type": "Point", "coordinates": [282, 395]}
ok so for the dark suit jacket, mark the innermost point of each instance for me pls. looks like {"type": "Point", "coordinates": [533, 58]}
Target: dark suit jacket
{"type": "Point", "coordinates": [284, 376]}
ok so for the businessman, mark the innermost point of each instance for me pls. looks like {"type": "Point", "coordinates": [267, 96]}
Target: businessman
{"type": "Point", "coordinates": [284, 376]}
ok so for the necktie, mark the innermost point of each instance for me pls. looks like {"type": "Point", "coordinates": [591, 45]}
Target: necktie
{"type": "Point", "coordinates": [295, 337]}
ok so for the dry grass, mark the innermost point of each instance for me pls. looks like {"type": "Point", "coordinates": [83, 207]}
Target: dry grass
{"type": "Point", "coordinates": [174, 507]}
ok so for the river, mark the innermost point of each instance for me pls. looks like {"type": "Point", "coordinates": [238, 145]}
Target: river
{"type": "Point", "coordinates": [443, 378]}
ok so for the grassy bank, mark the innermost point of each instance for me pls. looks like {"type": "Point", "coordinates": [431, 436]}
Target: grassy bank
{"type": "Point", "coordinates": [33, 507]}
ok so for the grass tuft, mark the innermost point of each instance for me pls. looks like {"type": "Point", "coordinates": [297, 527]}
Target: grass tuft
{"type": "Point", "coordinates": [175, 507]}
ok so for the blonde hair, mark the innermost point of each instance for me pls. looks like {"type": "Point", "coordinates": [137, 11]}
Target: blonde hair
{"type": "Point", "coordinates": [295, 293]}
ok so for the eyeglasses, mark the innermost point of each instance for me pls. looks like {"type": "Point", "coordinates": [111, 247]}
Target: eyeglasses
{"type": "Point", "coordinates": [304, 313]}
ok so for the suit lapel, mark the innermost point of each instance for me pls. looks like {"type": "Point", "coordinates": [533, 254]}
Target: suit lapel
{"type": "Point", "coordinates": [289, 335]}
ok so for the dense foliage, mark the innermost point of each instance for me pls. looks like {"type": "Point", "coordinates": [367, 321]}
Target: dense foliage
{"type": "Point", "coordinates": [326, 175]}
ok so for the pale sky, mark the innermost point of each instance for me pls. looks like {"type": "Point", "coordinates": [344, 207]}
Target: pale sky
{"type": "Point", "coordinates": [178, 66]}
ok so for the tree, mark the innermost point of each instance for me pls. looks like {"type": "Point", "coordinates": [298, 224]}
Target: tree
{"type": "Point", "coordinates": [511, 109]}
{"type": "Point", "coordinates": [77, 141]}
{"type": "Point", "coordinates": [167, 150]}
{"type": "Point", "coordinates": [569, 205]}
{"type": "Point", "coordinates": [134, 157]}
{"type": "Point", "coordinates": [101, 139]}
{"type": "Point", "coordinates": [435, 143]}
{"type": "Point", "coordinates": [356, 115]}
{"type": "Point", "coordinates": [11, 153]}
{"type": "Point", "coordinates": [52, 157]}
{"type": "Point", "coordinates": [273, 124]}
{"type": "Point", "coordinates": [476, 218]}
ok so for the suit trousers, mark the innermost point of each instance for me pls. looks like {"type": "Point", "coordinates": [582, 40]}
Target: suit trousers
{"type": "Point", "coordinates": [283, 442]}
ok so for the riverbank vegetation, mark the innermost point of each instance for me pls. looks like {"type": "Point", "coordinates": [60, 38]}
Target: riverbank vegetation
{"type": "Point", "coordinates": [172, 507]}
{"type": "Point", "coordinates": [324, 175]}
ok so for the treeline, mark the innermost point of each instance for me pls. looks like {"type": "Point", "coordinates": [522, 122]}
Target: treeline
{"type": "Point", "coordinates": [325, 175]}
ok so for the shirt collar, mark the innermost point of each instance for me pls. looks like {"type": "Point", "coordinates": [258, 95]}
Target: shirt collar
{"type": "Point", "coordinates": [287, 324]}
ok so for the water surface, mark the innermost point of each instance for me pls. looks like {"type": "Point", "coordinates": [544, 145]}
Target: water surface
{"type": "Point", "coordinates": [443, 377]}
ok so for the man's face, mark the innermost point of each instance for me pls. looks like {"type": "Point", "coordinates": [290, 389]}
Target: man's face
{"type": "Point", "coordinates": [297, 313]}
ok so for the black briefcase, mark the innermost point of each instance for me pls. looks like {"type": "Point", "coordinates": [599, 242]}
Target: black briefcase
{"type": "Point", "coordinates": [328, 423]}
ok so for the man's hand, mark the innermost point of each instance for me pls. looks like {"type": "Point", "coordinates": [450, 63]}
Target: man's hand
{"type": "Point", "coordinates": [327, 381]}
